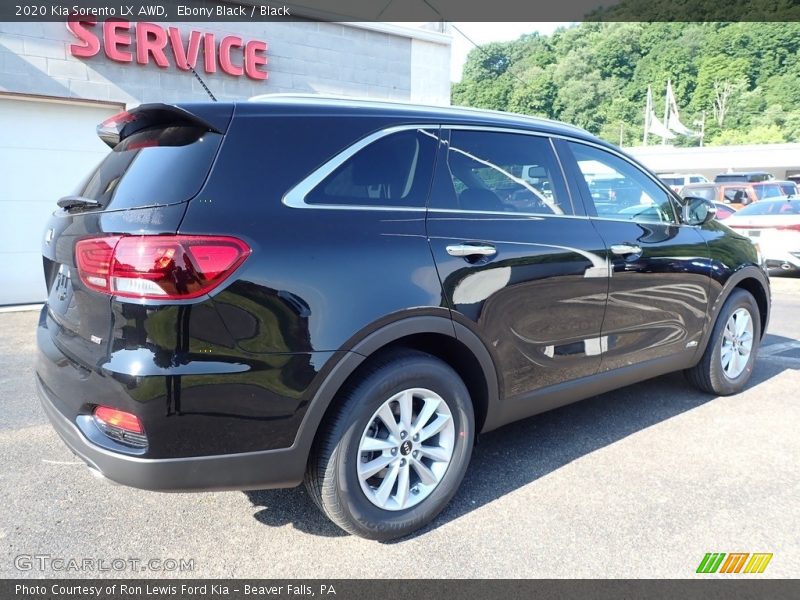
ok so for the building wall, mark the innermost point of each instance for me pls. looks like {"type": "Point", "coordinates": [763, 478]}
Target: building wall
{"type": "Point", "coordinates": [51, 102]}
{"type": "Point", "coordinates": [778, 159]}
{"type": "Point", "coordinates": [304, 57]}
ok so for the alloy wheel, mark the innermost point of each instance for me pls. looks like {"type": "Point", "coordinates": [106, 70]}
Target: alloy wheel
{"type": "Point", "coordinates": [737, 343]}
{"type": "Point", "coordinates": [405, 449]}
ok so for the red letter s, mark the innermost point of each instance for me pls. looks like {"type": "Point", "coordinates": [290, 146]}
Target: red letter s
{"type": "Point", "coordinates": [90, 44]}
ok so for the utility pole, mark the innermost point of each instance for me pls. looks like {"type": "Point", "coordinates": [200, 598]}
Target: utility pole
{"type": "Point", "coordinates": [621, 133]}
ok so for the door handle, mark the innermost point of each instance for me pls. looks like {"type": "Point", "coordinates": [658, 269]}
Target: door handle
{"type": "Point", "coordinates": [623, 249]}
{"type": "Point", "coordinates": [471, 250]}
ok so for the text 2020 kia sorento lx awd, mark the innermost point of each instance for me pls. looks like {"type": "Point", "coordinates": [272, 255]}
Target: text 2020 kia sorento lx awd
{"type": "Point", "coordinates": [250, 295]}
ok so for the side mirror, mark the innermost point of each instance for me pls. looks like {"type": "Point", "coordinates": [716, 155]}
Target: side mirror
{"type": "Point", "coordinates": [697, 211]}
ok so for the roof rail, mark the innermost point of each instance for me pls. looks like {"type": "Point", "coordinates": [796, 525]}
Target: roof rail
{"type": "Point", "coordinates": [404, 104]}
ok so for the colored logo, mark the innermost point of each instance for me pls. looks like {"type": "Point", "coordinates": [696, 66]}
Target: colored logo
{"type": "Point", "coordinates": [735, 562]}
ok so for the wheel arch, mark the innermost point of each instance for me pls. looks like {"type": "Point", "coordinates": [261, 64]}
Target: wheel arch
{"type": "Point", "coordinates": [753, 280]}
{"type": "Point", "coordinates": [439, 336]}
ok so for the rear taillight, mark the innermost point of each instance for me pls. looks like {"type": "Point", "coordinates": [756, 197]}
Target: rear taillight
{"type": "Point", "coordinates": [120, 426]}
{"type": "Point", "coordinates": [118, 418]}
{"type": "Point", "coordinates": [162, 267]}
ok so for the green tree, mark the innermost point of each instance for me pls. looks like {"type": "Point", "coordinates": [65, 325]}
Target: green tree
{"type": "Point", "coordinates": [745, 77]}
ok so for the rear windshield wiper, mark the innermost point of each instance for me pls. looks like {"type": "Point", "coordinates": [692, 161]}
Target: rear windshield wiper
{"type": "Point", "coordinates": [70, 202]}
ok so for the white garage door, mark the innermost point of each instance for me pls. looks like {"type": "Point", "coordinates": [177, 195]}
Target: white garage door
{"type": "Point", "coordinates": [46, 148]}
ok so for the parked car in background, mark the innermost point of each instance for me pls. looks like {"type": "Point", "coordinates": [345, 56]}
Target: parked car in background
{"type": "Point", "coordinates": [748, 176]}
{"type": "Point", "coordinates": [739, 194]}
{"type": "Point", "coordinates": [724, 211]}
{"type": "Point", "coordinates": [774, 225]}
{"type": "Point", "coordinates": [789, 188]}
{"type": "Point", "coordinates": [677, 180]}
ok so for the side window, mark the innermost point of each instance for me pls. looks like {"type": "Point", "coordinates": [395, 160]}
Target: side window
{"type": "Point", "coordinates": [501, 172]}
{"type": "Point", "coordinates": [735, 194]}
{"type": "Point", "coordinates": [393, 171]}
{"type": "Point", "coordinates": [618, 189]}
{"type": "Point", "coordinates": [696, 179]}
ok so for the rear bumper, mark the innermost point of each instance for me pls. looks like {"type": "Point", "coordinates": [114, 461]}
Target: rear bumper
{"type": "Point", "coordinates": [244, 471]}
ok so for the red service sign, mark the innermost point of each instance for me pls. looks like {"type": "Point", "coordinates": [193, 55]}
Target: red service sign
{"type": "Point", "coordinates": [123, 41]}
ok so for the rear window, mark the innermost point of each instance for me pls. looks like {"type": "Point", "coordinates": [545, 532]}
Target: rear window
{"type": "Point", "coordinates": [155, 166]}
{"type": "Point", "coordinates": [751, 177]}
{"type": "Point", "coordinates": [731, 177]}
{"type": "Point", "coordinates": [789, 207]}
{"type": "Point", "coordinates": [699, 192]}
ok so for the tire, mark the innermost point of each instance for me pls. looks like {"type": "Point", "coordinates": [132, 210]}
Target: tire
{"type": "Point", "coordinates": [710, 374]}
{"type": "Point", "coordinates": [336, 476]}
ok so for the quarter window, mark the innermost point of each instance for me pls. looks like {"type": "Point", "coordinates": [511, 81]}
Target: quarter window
{"type": "Point", "coordinates": [501, 172]}
{"type": "Point", "coordinates": [618, 189]}
{"type": "Point", "coordinates": [393, 171]}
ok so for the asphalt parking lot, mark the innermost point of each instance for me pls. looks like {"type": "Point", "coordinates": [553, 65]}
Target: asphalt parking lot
{"type": "Point", "coordinates": [641, 482]}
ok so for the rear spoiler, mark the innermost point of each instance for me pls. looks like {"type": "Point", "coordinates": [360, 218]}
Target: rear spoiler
{"type": "Point", "coordinates": [212, 117]}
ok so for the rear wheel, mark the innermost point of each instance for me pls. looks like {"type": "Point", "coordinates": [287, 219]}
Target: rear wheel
{"type": "Point", "coordinates": [396, 450]}
{"type": "Point", "coordinates": [728, 361]}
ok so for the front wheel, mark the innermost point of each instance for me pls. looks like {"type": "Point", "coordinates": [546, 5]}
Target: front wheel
{"type": "Point", "coordinates": [395, 452]}
{"type": "Point", "coordinates": [728, 361]}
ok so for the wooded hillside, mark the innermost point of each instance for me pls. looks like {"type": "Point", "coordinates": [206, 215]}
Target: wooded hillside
{"type": "Point", "coordinates": [745, 76]}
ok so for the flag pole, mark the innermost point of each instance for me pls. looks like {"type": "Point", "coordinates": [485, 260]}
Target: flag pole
{"type": "Point", "coordinates": [647, 108]}
{"type": "Point", "coordinates": [666, 111]}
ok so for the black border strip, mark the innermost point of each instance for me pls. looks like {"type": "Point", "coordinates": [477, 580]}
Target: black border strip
{"type": "Point", "coordinates": [404, 10]}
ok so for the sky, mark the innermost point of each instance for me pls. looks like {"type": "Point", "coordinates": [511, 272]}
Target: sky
{"type": "Point", "coordinates": [483, 33]}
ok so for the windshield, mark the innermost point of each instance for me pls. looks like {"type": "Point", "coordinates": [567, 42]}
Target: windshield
{"type": "Point", "coordinates": [771, 190]}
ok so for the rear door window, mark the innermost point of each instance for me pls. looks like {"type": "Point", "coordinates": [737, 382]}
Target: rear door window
{"type": "Point", "coordinates": [502, 172]}
{"type": "Point", "coordinates": [155, 166]}
{"type": "Point", "coordinates": [394, 171]}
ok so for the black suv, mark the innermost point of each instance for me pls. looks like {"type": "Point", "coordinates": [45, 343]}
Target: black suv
{"type": "Point", "coordinates": [250, 295]}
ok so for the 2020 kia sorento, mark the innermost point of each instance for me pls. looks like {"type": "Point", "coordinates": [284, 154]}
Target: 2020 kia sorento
{"type": "Point", "coordinates": [256, 294]}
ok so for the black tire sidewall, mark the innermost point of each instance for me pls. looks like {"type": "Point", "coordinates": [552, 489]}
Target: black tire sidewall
{"type": "Point", "coordinates": [724, 384]}
{"type": "Point", "coordinates": [370, 520]}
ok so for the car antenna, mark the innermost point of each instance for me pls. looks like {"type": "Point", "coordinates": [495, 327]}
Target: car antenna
{"type": "Point", "coordinates": [200, 79]}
